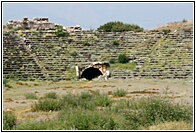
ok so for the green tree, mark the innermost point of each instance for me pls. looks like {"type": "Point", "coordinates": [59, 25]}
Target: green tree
{"type": "Point", "coordinates": [118, 26]}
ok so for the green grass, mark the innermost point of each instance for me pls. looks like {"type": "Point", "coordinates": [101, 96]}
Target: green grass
{"type": "Point", "coordinates": [120, 66]}
{"type": "Point", "coordinates": [51, 95]}
{"type": "Point", "coordinates": [120, 93]}
{"type": "Point", "coordinates": [9, 120]}
{"type": "Point", "coordinates": [30, 96]}
{"type": "Point", "coordinates": [81, 112]}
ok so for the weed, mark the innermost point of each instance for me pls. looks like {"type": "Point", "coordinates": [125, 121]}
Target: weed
{"type": "Point", "coordinates": [115, 43]}
{"type": "Point", "coordinates": [9, 120]}
{"type": "Point", "coordinates": [47, 105]}
{"type": "Point", "coordinates": [86, 43]}
{"type": "Point", "coordinates": [78, 119]}
{"type": "Point", "coordinates": [149, 111]}
{"type": "Point", "coordinates": [5, 83]}
{"type": "Point", "coordinates": [30, 96]}
{"type": "Point", "coordinates": [122, 58]}
{"type": "Point", "coordinates": [120, 93]}
{"type": "Point", "coordinates": [112, 61]}
{"type": "Point", "coordinates": [80, 113]}
{"type": "Point", "coordinates": [51, 95]}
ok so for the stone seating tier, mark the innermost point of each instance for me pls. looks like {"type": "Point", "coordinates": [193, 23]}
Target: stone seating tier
{"type": "Point", "coordinates": [51, 57]}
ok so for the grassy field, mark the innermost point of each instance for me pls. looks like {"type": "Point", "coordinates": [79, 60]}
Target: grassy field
{"type": "Point", "coordinates": [145, 104]}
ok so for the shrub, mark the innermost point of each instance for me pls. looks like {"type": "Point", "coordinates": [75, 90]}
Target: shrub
{"type": "Point", "coordinates": [47, 105]}
{"type": "Point", "coordinates": [115, 43]}
{"type": "Point", "coordinates": [74, 53]}
{"type": "Point", "coordinates": [86, 43]}
{"type": "Point", "coordinates": [87, 101]}
{"type": "Point", "coordinates": [122, 58]}
{"type": "Point", "coordinates": [102, 101]}
{"type": "Point", "coordinates": [120, 93]}
{"type": "Point", "coordinates": [51, 95]}
{"type": "Point", "coordinates": [146, 112]}
{"type": "Point", "coordinates": [78, 119]}
{"type": "Point", "coordinates": [112, 61]}
{"type": "Point", "coordinates": [30, 96]}
{"type": "Point", "coordinates": [5, 83]}
{"type": "Point", "coordinates": [9, 120]}
{"type": "Point", "coordinates": [60, 32]}
{"type": "Point", "coordinates": [118, 26]}
{"type": "Point", "coordinates": [166, 31]}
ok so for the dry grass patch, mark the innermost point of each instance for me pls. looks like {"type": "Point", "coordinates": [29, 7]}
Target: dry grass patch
{"type": "Point", "coordinates": [177, 125]}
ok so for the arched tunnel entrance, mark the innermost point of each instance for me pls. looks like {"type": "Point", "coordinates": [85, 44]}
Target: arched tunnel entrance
{"type": "Point", "coordinates": [92, 71]}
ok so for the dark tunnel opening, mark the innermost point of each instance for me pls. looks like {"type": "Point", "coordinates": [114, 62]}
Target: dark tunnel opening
{"type": "Point", "coordinates": [91, 73]}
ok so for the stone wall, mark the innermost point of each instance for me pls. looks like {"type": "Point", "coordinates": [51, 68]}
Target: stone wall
{"type": "Point", "coordinates": [54, 58]}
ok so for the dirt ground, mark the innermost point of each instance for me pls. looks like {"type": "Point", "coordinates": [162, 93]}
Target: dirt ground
{"type": "Point", "coordinates": [176, 91]}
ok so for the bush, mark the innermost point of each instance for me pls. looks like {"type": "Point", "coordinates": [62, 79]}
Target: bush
{"type": "Point", "coordinates": [5, 83]}
{"type": "Point", "coordinates": [120, 93]}
{"type": "Point", "coordinates": [115, 43]}
{"type": "Point", "coordinates": [47, 105]}
{"type": "Point", "coordinates": [149, 111]}
{"type": "Point", "coordinates": [122, 58]}
{"type": "Point", "coordinates": [30, 96]}
{"type": "Point", "coordinates": [86, 43]}
{"type": "Point", "coordinates": [112, 61]}
{"type": "Point", "coordinates": [166, 31]}
{"type": "Point", "coordinates": [74, 53]}
{"type": "Point", "coordinates": [9, 120]}
{"type": "Point", "coordinates": [79, 113]}
{"type": "Point", "coordinates": [87, 101]}
{"type": "Point", "coordinates": [118, 26]}
{"type": "Point", "coordinates": [51, 95]}
{"type": "Point", "coordinates": [78, 119]}
{"type": "Point", "coordinates": [60, 32]}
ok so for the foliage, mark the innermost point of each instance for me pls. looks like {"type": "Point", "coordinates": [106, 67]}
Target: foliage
{"type": "Point", "coordinates": [87, 100]}
{"type": "Point", "coordinates": [166, 31]}
{"type": "Point", "coordinates": [74, 53]}
{"type": "Point", "coordinates": [51, 95]}
{"type": "Point", "coordinates": [5, 83]}
{"type": "Point", "coordinates": [47, 105]}
{"type": "Point", "coordinates": [115, 43]}
{"type": "Point", "coordinates": [184, 20]}
{"type": "Point", "coordinates": [112, 60]}
{"type": "Point", "coordinates": [118, 26]}
{"type": "Point", "coordinates": [122, 58]}
{"type": "Point", "coordinates": [146, 112]}
{"type": "Point", "coordinates": [120, 66]}
{"type": "Point", "coordinates": [86, 43]}
{"type": "Point", "coordinates": [120, 93]}
{"type": "Point", "coordinates": [30, 96]}
{"type": "Point", "coordinates": [80, 112]}
{"type": "Point", "coordinates": [79, 119]}
{"type": "Point", "coordinates": [25, 25]}
{"type": "Point", "coordinates": [60, 32]}
{"type": "Point", "coordinates": [9, 120]}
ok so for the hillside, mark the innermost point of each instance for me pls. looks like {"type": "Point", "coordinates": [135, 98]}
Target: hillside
{"type": "Point", "coordinates": [183, 25]}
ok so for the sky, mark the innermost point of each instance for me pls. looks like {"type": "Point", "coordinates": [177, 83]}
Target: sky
{"type": "Point", "coordinates": [91, 15]}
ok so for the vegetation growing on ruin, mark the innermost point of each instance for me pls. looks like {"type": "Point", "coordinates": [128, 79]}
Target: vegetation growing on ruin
{"type": "Point", "coordinates": [60, 32]}
{"type": "Point", "coordinates": [116, 43]}
{"type": "Point", "coordinates": [123, 58]}
{"type": "Point", "coordinates": [118, 26]}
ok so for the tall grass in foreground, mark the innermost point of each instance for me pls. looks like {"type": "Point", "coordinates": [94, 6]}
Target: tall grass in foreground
{"type": "Point", "coordinates": [98, 112]}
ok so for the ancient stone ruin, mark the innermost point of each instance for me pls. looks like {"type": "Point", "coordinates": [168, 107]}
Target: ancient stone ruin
{"type": "Point", "coordinates": [46, 56]}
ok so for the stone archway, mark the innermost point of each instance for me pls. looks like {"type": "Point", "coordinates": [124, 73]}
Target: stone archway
{"type": "Point", "coordinates": [94, 70]}
{"type": "Point", "coordinates": [90, 73]}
